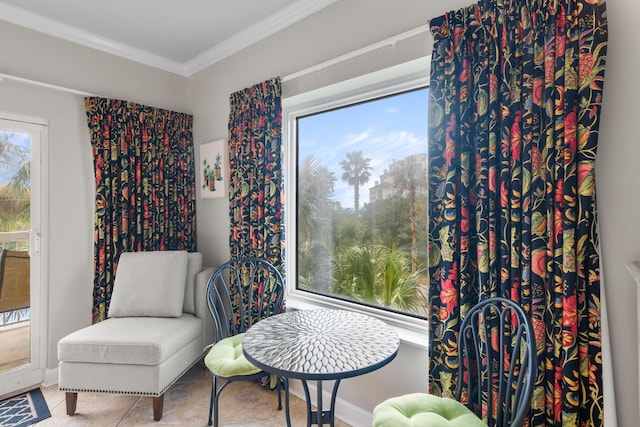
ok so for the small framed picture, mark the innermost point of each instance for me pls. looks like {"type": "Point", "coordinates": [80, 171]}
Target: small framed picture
{"type": "Point", "coordinates": [213, 174]}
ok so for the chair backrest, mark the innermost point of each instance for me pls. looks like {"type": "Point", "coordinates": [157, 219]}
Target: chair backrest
{"type": "Point", "coordinates": [14, 280]}
{"type": "Point", "coordinates": [497, 362]}
{"type": "Point", "coordinates": [241, 292]}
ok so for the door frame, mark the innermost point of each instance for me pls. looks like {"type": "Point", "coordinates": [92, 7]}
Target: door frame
{"type": "Point", "coordinates": [33, 373]}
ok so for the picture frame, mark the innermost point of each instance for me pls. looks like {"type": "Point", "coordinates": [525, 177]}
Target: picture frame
{"type": "Point", "coordinates": [213, 169]}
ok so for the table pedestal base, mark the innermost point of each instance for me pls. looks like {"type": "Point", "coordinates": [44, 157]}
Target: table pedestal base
{"type": "Point", "coordinates": [321, 417]}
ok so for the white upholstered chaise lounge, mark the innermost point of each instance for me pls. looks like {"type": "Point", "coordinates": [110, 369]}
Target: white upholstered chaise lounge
{"type": "Point", "coordinates": [157, 328]}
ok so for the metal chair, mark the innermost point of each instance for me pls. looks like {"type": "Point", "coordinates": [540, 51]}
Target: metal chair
{"type": "Point", "coordinates": [497, 367]}
{"type": "Point", "coordinates": [240, 293]}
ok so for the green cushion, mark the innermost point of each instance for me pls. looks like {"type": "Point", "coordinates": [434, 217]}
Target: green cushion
{"type": "Point", "coordinates": [421, 409]}
{"type": "Point", "coordinates": [225, 359]}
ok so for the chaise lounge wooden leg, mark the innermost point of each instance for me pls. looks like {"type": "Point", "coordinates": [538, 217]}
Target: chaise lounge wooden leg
{"type": "Point", "coordinates": [72, 401]}
{"type": "Point", "coordinates": [158, 403]}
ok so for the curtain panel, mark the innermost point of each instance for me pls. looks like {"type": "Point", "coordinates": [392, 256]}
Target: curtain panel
{"type": "Point", "coordinates": [145, 185]}
{"type": "Point", "coordinates": [515, 100]}
{"type": "Point", "coordinates": [256, 192]}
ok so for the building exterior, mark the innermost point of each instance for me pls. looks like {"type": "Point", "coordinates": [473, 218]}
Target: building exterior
{"type": "Point", "coordinates": [401, 178]}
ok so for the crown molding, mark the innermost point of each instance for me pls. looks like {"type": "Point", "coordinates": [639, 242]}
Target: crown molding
{"type": "Point", "coordinates": [226, 48]}
{"type": "Point", "coordinates": [57, 29]}
{"type": "Point", "coordinates": [250, 35]}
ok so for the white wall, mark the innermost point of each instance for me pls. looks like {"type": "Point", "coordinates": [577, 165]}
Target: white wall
{"type": "Point", "coordinates": [32, 55]}
{"type": "Point", "coordinates": [345, 26]}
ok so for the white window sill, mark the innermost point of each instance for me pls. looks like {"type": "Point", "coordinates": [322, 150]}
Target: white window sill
{"type": "Point", "coordinates": [412, 331]}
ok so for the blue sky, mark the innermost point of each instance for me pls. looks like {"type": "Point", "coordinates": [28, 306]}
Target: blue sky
{"type": "Point", "coordinates": [384, 130]}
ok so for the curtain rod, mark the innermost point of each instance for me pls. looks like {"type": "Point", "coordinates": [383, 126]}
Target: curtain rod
{"type": "Point", "coordinates": [391, 41]}
{"type": "Point", "coordinates": [4, 76]}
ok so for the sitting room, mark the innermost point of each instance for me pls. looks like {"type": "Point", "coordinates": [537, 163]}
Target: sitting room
{"type": "Point", "coordinates": [227, 131]}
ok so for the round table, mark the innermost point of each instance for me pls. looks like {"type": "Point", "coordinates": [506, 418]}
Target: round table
{"type": "Point", "coordinates": [320, 345]}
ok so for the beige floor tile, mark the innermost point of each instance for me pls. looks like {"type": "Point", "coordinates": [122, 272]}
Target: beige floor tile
{"type": "Point", "coordinates": [186, 404]}
{"type": "Point", "coordinates": [93, 409]}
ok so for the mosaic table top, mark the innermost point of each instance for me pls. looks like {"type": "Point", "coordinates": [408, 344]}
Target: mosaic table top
{"type": "Point", "coordinates": [320, 344]}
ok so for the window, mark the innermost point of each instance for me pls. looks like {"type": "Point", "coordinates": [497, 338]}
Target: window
{"type": "Point", "coordinates": [356, 193]}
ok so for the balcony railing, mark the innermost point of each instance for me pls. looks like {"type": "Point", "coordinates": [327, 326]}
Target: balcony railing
{"type": "Point", "coordinates": [15, 240]}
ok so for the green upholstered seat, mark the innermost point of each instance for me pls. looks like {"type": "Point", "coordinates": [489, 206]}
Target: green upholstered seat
{"type": "Point", "coordinates": [258, 292]}
{"type": "Point", "coordinates": [225, 358]}
{"type": "Point", "coordinates": [421, 409]}
{"type": "Point", "coordinates": [510, 364]}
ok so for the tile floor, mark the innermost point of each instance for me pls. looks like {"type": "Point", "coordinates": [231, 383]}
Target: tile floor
{"type": "Point", "coordinates": [186, 404]}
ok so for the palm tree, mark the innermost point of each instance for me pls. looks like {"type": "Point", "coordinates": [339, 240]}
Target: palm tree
{"type": "Point", "coordinates": [315, 191]}
{"type": "Point", "coordinates": [356, 172]}
{"type": "Point", "coordinates": [409, 180]}
{"type": "Point", "coordinates": [315, 206]}
{"type": "Point", "coordinates": [14, 162]}
{"type": "Point", "coordinates": [14, 184]}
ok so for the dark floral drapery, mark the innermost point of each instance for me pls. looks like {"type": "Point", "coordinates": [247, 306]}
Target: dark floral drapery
{"type": "Point", "coordinates": [255, 165]}
{"type": "Point", "coordinates": [515, 100]}
{"type": "Point", "coordinates": [256, 192]}
{"type": "Point", "coordinates": [145, 185]}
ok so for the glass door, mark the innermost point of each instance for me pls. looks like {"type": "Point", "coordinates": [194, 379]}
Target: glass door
{"type": "Point", "coordinates": [21, 308]}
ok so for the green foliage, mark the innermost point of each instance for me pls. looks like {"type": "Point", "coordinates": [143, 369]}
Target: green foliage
{"type": "Point", "coordinates": [390, 218]}
{"type": "Point", "coordinates": [208, 171]}
{"type": "Point", "coordinates": [347, 253]}
{"type": "Point", "coordinates": [14, 209]}
{"type": "Point", "coordinates": [315, 210]}
{"type": "Point", "coordinates": [351, 232]}
{"type": "Point", "coordinates": [380, 276]}
{"type": "Point", "coordinates": [15, 192]}
{"type": "Point", "coordinates": [315, 189]}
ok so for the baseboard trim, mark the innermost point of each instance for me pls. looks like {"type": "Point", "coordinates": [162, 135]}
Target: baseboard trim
{"type": "Point", "coordinates": [20, 379]}
{"type": "Point", "coordinates": [50, 377]}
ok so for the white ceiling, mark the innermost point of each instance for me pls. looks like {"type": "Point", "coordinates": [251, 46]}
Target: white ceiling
{"type": "Point", "coordinates": [182, 36]}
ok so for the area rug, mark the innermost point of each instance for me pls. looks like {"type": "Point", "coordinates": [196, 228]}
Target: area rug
{"type": "Point", "coordinates": [24, 409]}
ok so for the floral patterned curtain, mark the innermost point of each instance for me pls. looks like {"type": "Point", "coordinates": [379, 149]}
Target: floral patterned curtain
{"type": "Point", "coordinates": [255, 165]}
{"type": "Point", "coordinates": [515, 100]}
{"type": "Point", "coordinates": [145, 185]}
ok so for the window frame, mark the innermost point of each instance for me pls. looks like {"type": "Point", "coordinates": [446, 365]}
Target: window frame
{"type": "Point", "coordinates": [394, 80]}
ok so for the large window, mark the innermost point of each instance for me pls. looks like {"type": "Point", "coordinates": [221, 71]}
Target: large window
{"type": "Point", "coordinates": [361, 198]}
